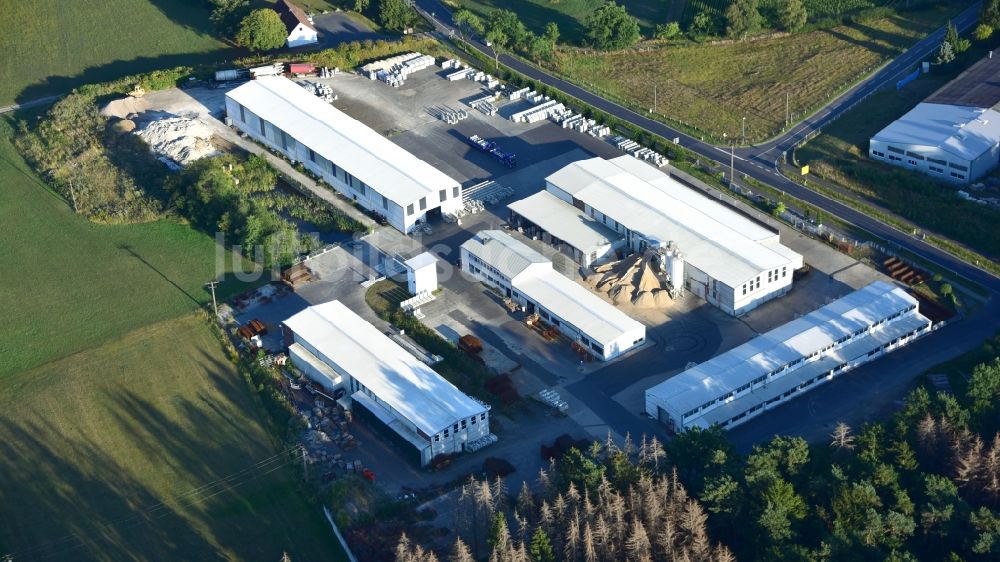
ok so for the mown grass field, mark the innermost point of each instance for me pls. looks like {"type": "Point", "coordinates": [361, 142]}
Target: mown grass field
{"type": "Point", "coordinates": [51, 46]}
{"type": "Point", "coordinates": [840, 154]}
{"type": "Point", "coordinates": [713, 86]}
{"type": "Point", "coordinates": [69, 284]}
{"type": "Point", "coordinates": [569, 15]}
{"type": "Point", "coordinates": [101, 451]}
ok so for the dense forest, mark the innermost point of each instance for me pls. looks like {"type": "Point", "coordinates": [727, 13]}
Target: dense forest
{"type": "Point", "coordinates": [923, 485]}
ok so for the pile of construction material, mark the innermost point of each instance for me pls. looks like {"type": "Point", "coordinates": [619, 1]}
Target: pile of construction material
{"type": "Point", "coordinates": [639, 151]}
{"type": "Point", "coordinates": [178, 140]}
{"type": "Point", "coordinates": [518, 94]}
{"type": "Point", "coordinates": [485, 103]}
{"type": "Point", "coordinates": [460, 74]}
{"type": "Point", "coordinates": [577, 122]}
{"type": "Point", "coordinates": [636, 279]}
{"type": "Point", "coordinates": [296, 276]}
{"type": "Point", "coordinates": [275, 69]}
{"type": "Point", "coordinates": [394, 70]}
{"type": "Point", "coordinates": [481, 443]}
{"type": "Point", "coordinates": [450, 64]}
{"type": "Point", "coordinates": [453, 116]}
{"type": "Point", "coordinates": [321, 90]}
{"type": "Point", "coordinates": [553, 399]}
{"type": "Point", "coordinates": [540, 112]}
{"type": "Point", "coordinates": [488, 191]}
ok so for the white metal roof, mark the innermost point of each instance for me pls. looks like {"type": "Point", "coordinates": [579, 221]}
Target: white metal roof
{"type": "Point", "coordinates": [565, 221]}
{"type": "Point", "coordinates": [421, 261]}
{"type": "Point", "coordinates": [585, 311]}
{"type": "Point", "coordinates": [964, 132]}
{"type": "Point", "coordinates": [715, 239]}
{"type": "Point", "coordinates": [501, 250]}
{"type": "Point", "coordinates": [349, 143]}
{"type": "Point", "coordinates": [588, 313]}
{"type": "Point", "coordinates": [777, 348]}
{"type": "Point", "coordinates": [358, 349]}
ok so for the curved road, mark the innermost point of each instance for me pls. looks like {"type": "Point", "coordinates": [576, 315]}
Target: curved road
{"type": "Point", "coordinates": [759, 162]}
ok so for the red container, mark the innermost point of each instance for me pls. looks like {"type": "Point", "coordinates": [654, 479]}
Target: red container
{"type": "Point", "coordinates": [302, 68]}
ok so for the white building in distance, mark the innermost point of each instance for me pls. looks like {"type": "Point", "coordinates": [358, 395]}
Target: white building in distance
{"type": "Point", "coordinates": [730, 260]}
{"type": "Point", "coordinates": [301, 30]}
{"type": "Point", "coordinates": [361, 164]}
{"type": "Point", "coordinates": [335, 347]}
{"type": "Point", "coordinates": [953, 143]}
{"type": "Point", "coordinates": [790, 360]}
{"type": "Point", "coordinates": [499, 260]}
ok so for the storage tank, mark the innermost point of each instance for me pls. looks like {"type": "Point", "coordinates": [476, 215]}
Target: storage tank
{"type": "Point", "coordinates": [675, 268]}
{"type": "Point", "coordinates": [227, 75]}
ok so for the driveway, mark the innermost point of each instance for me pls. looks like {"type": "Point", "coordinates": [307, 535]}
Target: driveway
{"type": "Point", "coordinates": [339, 27]}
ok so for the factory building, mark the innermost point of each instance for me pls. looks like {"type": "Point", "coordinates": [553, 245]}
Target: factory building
{"type": "Point", "coordinates": [499, 260]}
{"type": "Point", "coordinates": [573, 232]}
{"type": "Point", "coordinates": [386, 384]}
{"type": "Point", "coordinates": [790, 360]}
{"type": "Point", "coordinates": [953, 143]}
{"type": "Point", "coordinates": [600, 207]}
{"type": "Point", "coordinates": [361, 164]}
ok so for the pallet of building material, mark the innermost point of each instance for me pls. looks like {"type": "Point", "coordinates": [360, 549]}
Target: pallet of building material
{"type": "Point", "coordinates": [459, 75]}
{"type": "Point", "coordinates": [518, 94]}
{"type": "Point", "coordinates": [449, 64]}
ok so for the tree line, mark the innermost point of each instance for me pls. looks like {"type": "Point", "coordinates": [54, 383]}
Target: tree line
{"type": "Point", "coordinates": [923, 485]}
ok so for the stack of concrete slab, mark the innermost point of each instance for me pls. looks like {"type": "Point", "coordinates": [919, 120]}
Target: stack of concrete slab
{"type": "Point", "coordinates": [542, 111]}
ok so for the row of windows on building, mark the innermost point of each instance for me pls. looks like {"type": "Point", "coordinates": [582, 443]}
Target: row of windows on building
{"type": "Point", "coordinates": [485, 266]}
{"type": "Point", "coordinates": [912, 159]}
{"type": "Point", "coordinates": [772, 276]}
{"type": "Point", "coordinates": [803, 386]}
{"type": "Point", "coordinates": [287, 144]}
{"type": "Point", "coordinates": [447, 432]}
{"type": "Point", "coordinates": [791, 365]}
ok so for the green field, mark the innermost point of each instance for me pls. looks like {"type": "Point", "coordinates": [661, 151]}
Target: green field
{"type": "Point", "coordinates": [70, 284]}
{"type": "Point", "coordinates": [52, 46]}
{"type": "Point", "coordinates": [713, 86]}
{"type": "Point", "coordinates": [569, 15]}
{"type": "Point", "coordinates": [101, 452]}
{"type": "Point", "coordinates": [840, 154]}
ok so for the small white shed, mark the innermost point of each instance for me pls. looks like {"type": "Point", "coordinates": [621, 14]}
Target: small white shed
{"type": "Point", "coordinates": [421, 273]}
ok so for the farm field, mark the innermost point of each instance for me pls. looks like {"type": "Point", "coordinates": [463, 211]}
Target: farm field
{"type": "Point", "coordinates": [840, 154]}
{"type": "Point", "coordinates": [817, 9]}
{"type": "Point", "coordinates": [101, 452]}
{"type": "Point", "coordinates": [569, 15]}
{"type": "Point", "coordinates": [52, 46]}
{"type": "Point", "coordinates": [711, 87]}
{"type": "Point", "coordinates": [70, 284]}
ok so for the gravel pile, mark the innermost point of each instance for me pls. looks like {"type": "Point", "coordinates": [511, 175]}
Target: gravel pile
{"type": "Point", "coordinates": [179, 139]}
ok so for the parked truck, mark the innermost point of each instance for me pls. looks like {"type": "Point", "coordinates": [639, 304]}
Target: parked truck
{"type": "Point", "coordinates": [508, 159]}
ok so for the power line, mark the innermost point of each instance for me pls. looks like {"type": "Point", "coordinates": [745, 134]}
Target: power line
{"type": "Point", "coordinates": [156, 511]}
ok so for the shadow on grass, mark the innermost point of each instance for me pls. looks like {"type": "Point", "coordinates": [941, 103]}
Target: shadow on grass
{"type": "Point", "coordinates": [67, 497]}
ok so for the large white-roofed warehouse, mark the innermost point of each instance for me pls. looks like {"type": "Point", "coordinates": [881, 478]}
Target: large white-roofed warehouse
{"type": "Point", "coordinates": [729, 259]}
{"type": "Point", "coordinates": [360, 163]}
{"type": "Point", "coordinates": [336, 348]}
{"type": "Point", "coordinates": [525, 276]}
{"type": "Point", "coordinates": [790, 360]}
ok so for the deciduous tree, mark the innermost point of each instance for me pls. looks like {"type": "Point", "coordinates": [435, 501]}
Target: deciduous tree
{"type": "Point", "coordinates": [792, 15]}
{"type": "Point", "coordinates": [743, 19]}
{"type": "Point", "coordinates": [262, 30]}
{"type": "Point", "coordinates": [611, 27]}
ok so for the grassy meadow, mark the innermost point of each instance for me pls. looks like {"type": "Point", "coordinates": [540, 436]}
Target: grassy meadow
{"type": "Point", "coordinates": [102, 449]}
{"type": "Point", "coordinates": [70, 284]}
{"type": "Point", "coordinates": [713, 86]}
{"type": "Point", "coordinates": [52, 46]}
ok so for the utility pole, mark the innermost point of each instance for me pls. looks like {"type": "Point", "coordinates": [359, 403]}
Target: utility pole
{"type": "Point", "coordinates": [654, 98]}
{"type": "Point", "coordinates": [215, 307]}
{"type": "Point", "coordinates": [786, 108]}
{"type": "Point", "coordinates": [743, 133]}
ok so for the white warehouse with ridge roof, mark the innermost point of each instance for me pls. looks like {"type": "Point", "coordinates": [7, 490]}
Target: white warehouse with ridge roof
{"type": "Point", "coordinates": [790, 360]}
{"type": "Point", "coordinates": [499, 260]}
{"type": "Point", "coordinates": [728, 259]}
{"type": "Point", "coordinates": [337, 349]}
{"type": "Point", "coordinates": [358, 162]}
